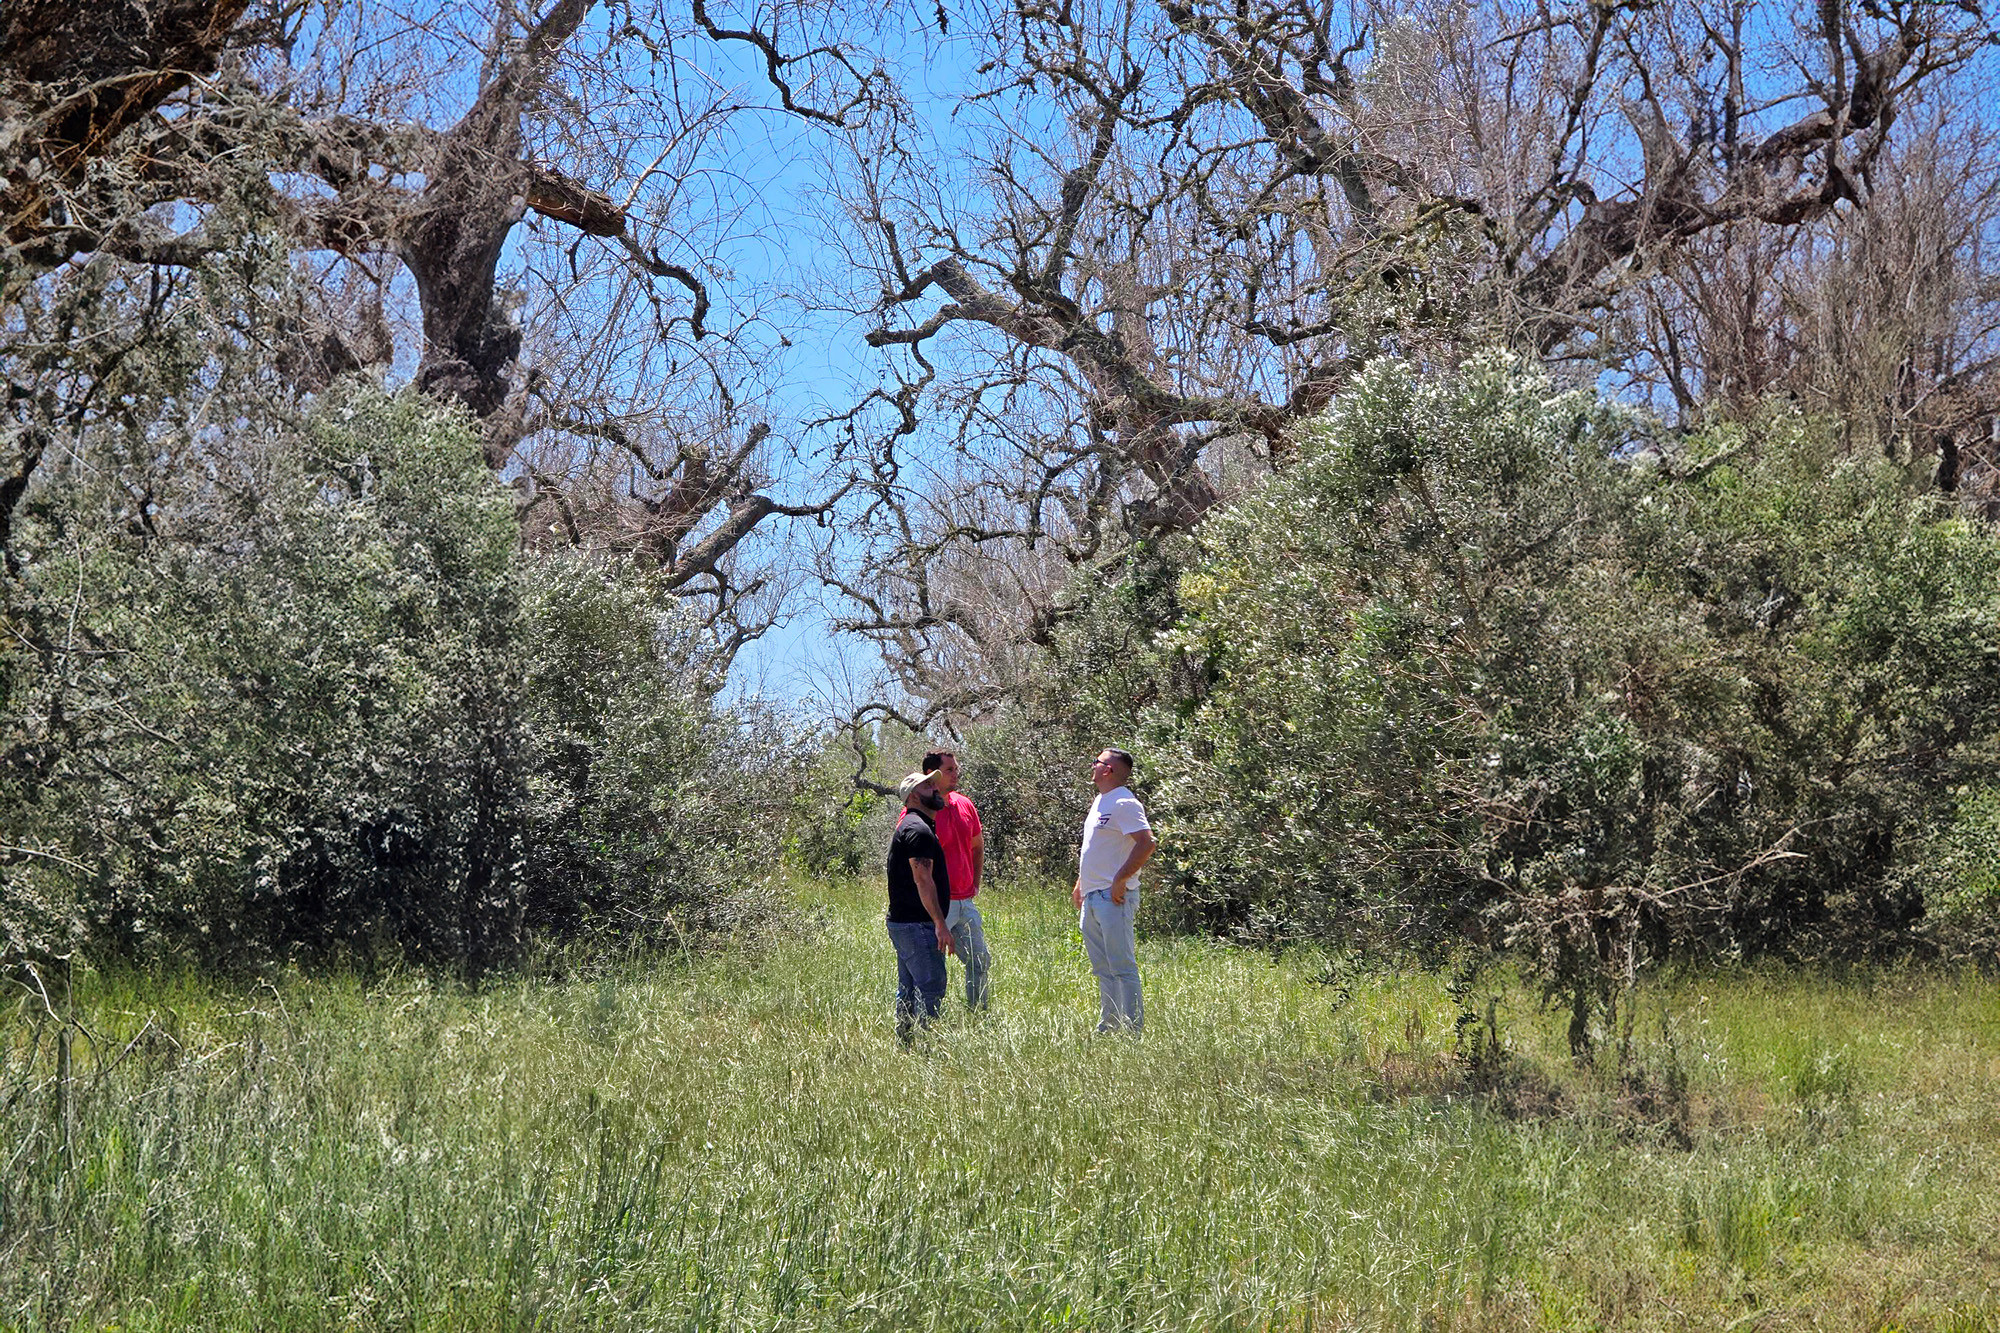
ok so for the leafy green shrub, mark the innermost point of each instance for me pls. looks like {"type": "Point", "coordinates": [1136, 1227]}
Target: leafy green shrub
{"type": "Point", "coordinates": [649, 813]}
{"type": "Point", "coordinates": [318, 702]}
{"type": "Point", "coordinates": [1499, 662]}
{"type": "Point", "coordinates": [1958, 870]}
{"type": "Point", "coordinates": [275, 712]}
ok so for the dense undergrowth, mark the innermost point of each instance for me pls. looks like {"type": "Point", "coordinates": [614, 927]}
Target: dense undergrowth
{"type": "Point", "coordinates": [733, 1140]}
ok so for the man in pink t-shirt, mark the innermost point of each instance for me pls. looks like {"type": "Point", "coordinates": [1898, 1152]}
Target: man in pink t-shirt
{"type": "Point", "coordinates": [964, 842]}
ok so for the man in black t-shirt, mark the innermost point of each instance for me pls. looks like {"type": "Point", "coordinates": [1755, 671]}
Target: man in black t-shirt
{"type": "Point", "coordinates": [919, 888]}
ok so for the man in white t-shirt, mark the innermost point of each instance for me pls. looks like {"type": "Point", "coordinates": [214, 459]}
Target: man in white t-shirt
{"type": "Point", "coordinates": [1117, 841]}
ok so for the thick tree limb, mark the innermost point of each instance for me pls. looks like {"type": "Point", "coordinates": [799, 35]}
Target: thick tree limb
{"type": "Point", "coordinates": [73, 77]}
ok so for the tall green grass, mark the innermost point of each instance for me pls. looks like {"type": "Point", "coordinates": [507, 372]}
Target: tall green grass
{"type": "Point", "coordinates": [738, 1142]}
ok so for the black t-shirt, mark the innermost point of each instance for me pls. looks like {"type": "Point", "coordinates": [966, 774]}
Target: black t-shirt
{"type": "Point", "coordinates": [915, 837]}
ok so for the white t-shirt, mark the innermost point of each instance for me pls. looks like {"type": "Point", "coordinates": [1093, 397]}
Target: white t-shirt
{"type": "Point", "coordinates": [1107, 836]}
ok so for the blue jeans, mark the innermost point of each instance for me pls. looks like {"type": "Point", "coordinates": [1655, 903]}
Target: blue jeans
{"type": "Point", "coordinates": [968, 935]}
{"type": "Point", "coordinates": [919, 974]}
{"type": "Point", "coordinates": [1113, 945]}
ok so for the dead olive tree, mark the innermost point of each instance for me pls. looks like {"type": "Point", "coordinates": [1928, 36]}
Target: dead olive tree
{"type": "Point", "coordinates": [1884, 320]}
{"type": "Point", "coordinates": [1143, 239]}
{"type": "Point", "coordinates": [518, 212]}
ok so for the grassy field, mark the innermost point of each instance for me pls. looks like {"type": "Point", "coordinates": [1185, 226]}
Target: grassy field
{"type": "Point", "coordinates": [726, 1143]}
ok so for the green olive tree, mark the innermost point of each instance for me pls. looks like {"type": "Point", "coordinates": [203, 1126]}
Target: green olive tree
{"type": "Point", "coordinates": [1501, 664]}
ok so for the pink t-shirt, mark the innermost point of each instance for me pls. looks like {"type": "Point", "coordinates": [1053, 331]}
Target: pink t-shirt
{"type": "Point", "coordinates": [957, 825]}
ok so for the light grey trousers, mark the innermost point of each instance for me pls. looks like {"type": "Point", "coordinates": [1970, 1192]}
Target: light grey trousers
{"type": "Point", "coordinates": [968, 936]}
{"type": "Point", "coordinates": [1112, 942]}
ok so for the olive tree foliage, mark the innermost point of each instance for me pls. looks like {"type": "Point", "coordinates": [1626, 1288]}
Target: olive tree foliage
{"type": "Point", "coordinates": [1504, 665]}
{"type": "Point", "coordinates": [524, 213]}
{"type": "Point", "coordinates": [314, 702]}
{"type": "Point", "coordinates": [1115, 268]}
